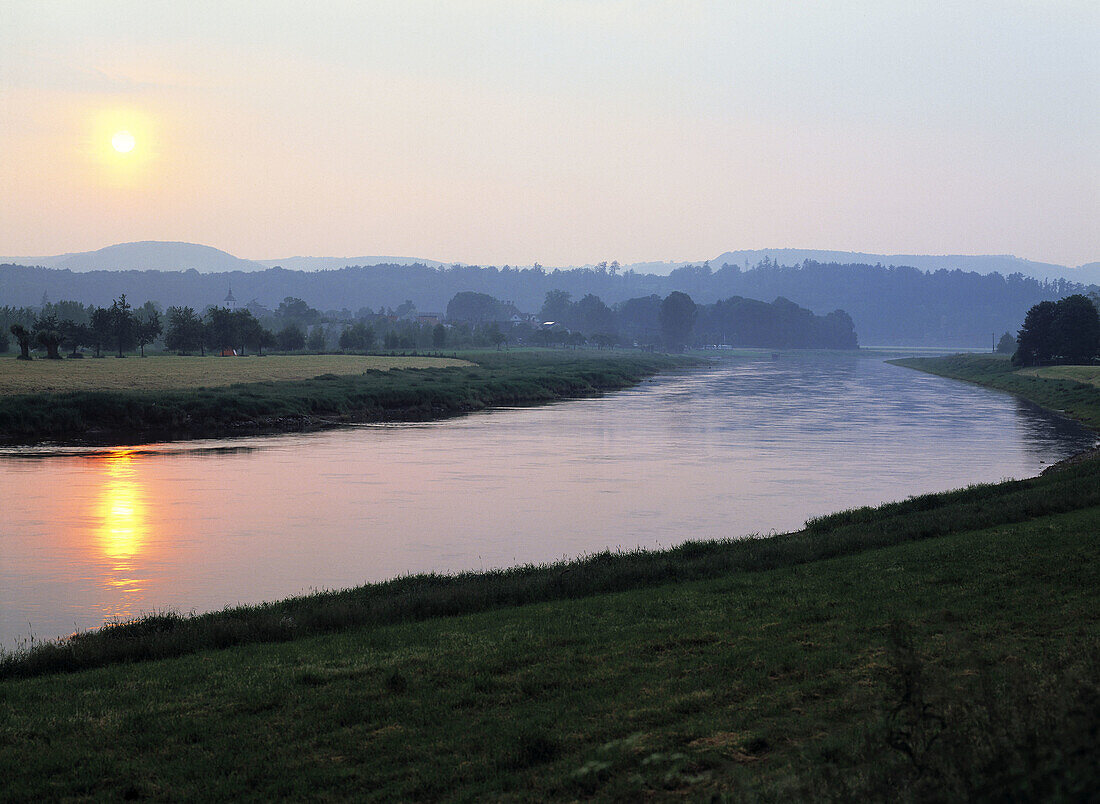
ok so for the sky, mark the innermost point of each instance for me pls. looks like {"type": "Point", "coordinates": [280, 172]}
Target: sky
{"type": "Point", "coordinates": [557, 131]}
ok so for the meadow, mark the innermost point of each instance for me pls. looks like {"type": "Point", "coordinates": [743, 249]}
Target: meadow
{"type": "Point", "coordinates": [173, 372]}
{"type": "Point", "coordinates": [1082, 374]}
{"type": "Point", "coordinates": [471, 381]}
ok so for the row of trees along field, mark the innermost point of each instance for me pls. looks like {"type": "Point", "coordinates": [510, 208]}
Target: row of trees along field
{"type": "Point", "coordinates": [294, 326]}
{"type": "Point", "coordinates": [472, 320]}
{"type": "Point", "coordinates": [73, 325]}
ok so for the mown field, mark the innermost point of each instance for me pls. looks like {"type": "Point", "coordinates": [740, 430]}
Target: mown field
{"type": "Point", "coordinates": [486, 379]}
{"type": "Point", "coordinates": [1082, 374]}
{"type": "Point", "coordinates": [956, 666]}
{"type": "Point", "coordinates": [172, 372]}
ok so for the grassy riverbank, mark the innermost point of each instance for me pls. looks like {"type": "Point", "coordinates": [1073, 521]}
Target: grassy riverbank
{"type": "Point", "coordinates": [413, 394]}
{"type": "Point", "coordinates": [1071, 390]}
{"type": "Point", "coordinates": [777, 672]}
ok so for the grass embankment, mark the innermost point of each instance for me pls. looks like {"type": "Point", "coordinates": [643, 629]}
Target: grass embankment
{"type": "Point", "coordinates": [1071, 390]}
{"type": "Point", "coordinates": [1082, 374]}
{"type": "Point", "coordinates": [412, 394]}
{"type": "Point", "coordinates": [164, 372]}
{"type": "Point", "coordinates": [771, 674]}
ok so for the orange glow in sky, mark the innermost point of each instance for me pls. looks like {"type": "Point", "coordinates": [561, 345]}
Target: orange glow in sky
{"type": "Point", "coordinates": [562, 131]}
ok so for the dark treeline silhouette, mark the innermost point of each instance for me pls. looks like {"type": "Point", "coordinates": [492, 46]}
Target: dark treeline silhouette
{"type": "Point", "coordinates": [73, 325]}
{"type": "Point", "coordinates": [1062, 332]}
{"type": "Point", "coordinates": [889, 305]}
{"type": "Point", "coordinates": [472, 320]}
{"type": "Point", "coordinates": [676, 321]}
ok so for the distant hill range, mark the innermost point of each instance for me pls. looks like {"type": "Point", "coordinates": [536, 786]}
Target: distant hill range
{"type": "Point", "coordinates": [1004, 264]}
{"type": "Point", "coordinates": [336, 263]}
{"type": "Point", "coordinates": [161, 255]}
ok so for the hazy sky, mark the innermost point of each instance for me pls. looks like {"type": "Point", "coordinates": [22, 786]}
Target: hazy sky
{"type": "Point", "coordinates": [562, 131]}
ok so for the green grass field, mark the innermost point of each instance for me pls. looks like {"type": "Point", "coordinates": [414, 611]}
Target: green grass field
{"type": "Point", "coordinates": [172, 372]}
{"type": "Point", "coordinates": [1082, 374]}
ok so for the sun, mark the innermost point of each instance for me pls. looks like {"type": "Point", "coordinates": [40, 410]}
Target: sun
{"type": "Point", "coordinates": [123, 142]}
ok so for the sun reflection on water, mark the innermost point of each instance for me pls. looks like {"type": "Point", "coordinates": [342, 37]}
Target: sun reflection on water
{"type": "Point", "coordinates": [122, 529]}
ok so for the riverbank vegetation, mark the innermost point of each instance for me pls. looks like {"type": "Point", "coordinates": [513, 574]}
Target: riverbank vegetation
{"type": "Point", "coordinates": [1069, 390]}
{"type": "Point", "coordinates": [400, 394]}
{"type": "Point", "coordinates": [944, 645]}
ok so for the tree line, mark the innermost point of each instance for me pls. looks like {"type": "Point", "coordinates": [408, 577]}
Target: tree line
{"type": "Point", "coordinates": [677, 321]}
{"type": "Point", "coordinates": [71, 325]}
{"type": "Point", "coordinates": [888, 304]}
{"type": "Point", "coordinates": [473, 320]}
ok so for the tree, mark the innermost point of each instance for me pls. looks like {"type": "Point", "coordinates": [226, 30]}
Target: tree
{"type": "Point", "coordinates": [76, 335]}
{"type": "Point", "coordinates": [356, 338]}
{"type": "Point", "coordinates": [316, 342]}
{"type": "Point", "coordinates": [185, 331]}
{"type": "Point", "coordinates": [100, 328]}
{"type": "Point", "coordinates": [1067, 331]}
{"type": "Point", "coordinates": [591, 315]}
{"type": "Point", "coordinates": [439, 336]}
{"type": "Point", "coordinates": [23, 338]}
{"type": "Point", "coordinates": [5, 344]}
{"type": "Point", "coordinates": [246, 329]}
{"type": "Point", "coordinates": [495, 336]}
{"type": "Point", "coordinates": [1076, 330]}
{"type": "Point", "coordinates": [253, 334]}
{"type": "Point", "coordinates": [47, 332]}
{"type": "Point", "coordinates": [290, 339]}
{"type": "Point", "coordinates": [223, 328]}
{"type": "Point", "coordinates": [122, 323]}
{"type": "Point", "coordinates": [677, 318]}
{"type": "Point", "coordinates": [477, 308]}
{"type": "Point", "coordinates": [295, 311]}
{"type": "Point", "coordinates": [556, 306]}
{"type": "Point", "coordinates": [148, 327]}
{"type": "Point", "coordinates": [1006, 345]}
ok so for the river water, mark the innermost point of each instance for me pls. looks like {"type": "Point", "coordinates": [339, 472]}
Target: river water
{"type": "Point", "coordinates": [748, 446]}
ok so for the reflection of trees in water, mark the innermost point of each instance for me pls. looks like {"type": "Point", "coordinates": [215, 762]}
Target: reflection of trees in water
{"type": "Point", "coordinates": [1043, 433]}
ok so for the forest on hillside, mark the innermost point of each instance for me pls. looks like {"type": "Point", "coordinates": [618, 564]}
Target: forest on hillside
{"type": "Point", "coordinates": [889, 305]}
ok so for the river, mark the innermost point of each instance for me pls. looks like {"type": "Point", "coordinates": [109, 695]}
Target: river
{"type": "Point", "coordinates": [748, 446]}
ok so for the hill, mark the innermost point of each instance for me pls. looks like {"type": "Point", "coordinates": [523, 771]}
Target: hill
{"type": "Point", "coordinates": [155, 255]}
{"type": "Point", "coordinates": [1004, 264]}
{"type": "Point", "coordinates": [335, 263]}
